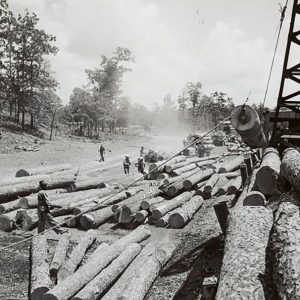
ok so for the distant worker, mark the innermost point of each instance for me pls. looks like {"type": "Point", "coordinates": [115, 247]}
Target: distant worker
{"type": "Point", "coordinates": [141, 166]}
{"type": "Point", "coordinates": [201, 150]}
{"type": "Point", "coordinates": [142, 152]}
{"type": "Point", "coordinates": [101, 151]}
{"type": "Point", "coordinates": [44, 214]}
{"type": "Point", "coordinates": [126, 164]}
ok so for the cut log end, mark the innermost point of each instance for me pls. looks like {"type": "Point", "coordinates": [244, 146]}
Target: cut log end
{"type": "Point", "coordinates": [254, 199]}
{"type": "Point", "coordinates": [87, 221]}
{"type": "Point", "coordinates": [6, 223]}
{"type": "Point", "coordinates": [39, 293]}
{"type": "Point", "coordinates": [176, 221]}
{"type": "Point", "coordinates": [22, 173]}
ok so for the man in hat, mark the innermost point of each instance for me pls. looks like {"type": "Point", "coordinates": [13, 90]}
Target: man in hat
{"type": "Point", "coordinates": [141, 165]}
{"type": "Point", "coordinates": [126, 164]}
{"type": "Point", "coordinates": [44, 214]}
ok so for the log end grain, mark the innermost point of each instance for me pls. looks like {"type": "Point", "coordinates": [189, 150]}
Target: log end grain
{"type": "Point", "coordinates": [39, 293]}
{"type": "Point", "coordinates": [87, 221]}
{"type": "Point", "coordinates": [22, 173]}
{"type": "Point", "coordinates": [6, 223]}
{"type": "Point", "coordinates": [254, 199]}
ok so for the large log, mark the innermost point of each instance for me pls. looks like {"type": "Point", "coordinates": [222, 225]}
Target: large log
{"type": "Point", "coordinates": [91, 183]}
{"type": "Point", "coordinates": [71, 285]}
{"type": "Point", "coordinates": [162, 209]}
{"type": "Point", "coordinates": [181, 216]}
{"type": "Point", "coordinates": [162, 176]}
{"type": "Point", "coordinates": [224, 189]}
{"type": "Point", "coordinates": [230, 175]}
{"type": "Point", "coordinates": [43, 170]}
{"type": "Point", "coordinates": [9, 206]}
{"type": "Point", "coordinates": [246, 241]}
{"type": "Point", "coordinates": [9, 192]}
{"type": "Point", "coordinates": [20, 180]}
{"type": "Point", "coordinates": [211, 183]}
{"type": "Point", "coordinates": [163, 221]}
{"type": "Point", "coordinates": [27, 219]}
{"type": "Point", "coordinates": [169, 181]}
{"type": "Point", "coordinates": [267, 174]}
{"type": "Point", "coordinates": [145, 204]}
{"type": "Point", "coordinates": [171, 167]}
{"type": "Point", "coordinates": [104, 279]}
{"type": "Point", "coordinates": [185, 169]}
{"type": "Point", "coordinates": [290, 167]}
{"type": "Point", "coordinates": [231, 165]}
{"type": "Point", "coordinates": [246, 122]}
{"type": "Point", "coordinates": [221, 182]}
{"type": "Point", "coordinates": [194, 179]}
{"type": "Point", "coordinates": [255, 198]}
{"type": "Point", "coordinates": [234, 186]}
{"type": "Point", "coordinates": [54, 182]}
{"type": "Point", "coordinates": [141, 216]}
{"type": "Point", "coordinates": [140, 275]}
{"type": "Point", "coordinates": [286, 247]}
{"type": "Point", "coordinates": [40, 279]}
{"type": "Point", "coordinates": [76, 256]}
{"type": "Point", "coordinates": [59, 254]}
{"type": "Point", "coordinates": [96, 218]}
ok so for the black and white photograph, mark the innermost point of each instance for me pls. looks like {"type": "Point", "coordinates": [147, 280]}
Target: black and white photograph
{"type": "Point", "coordinates": [149, 150]}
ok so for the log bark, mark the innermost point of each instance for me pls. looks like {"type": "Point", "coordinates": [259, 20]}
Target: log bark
{"type": "Point", "coordinates": [290, 167]}
{"type": "Point", "coordinates": [163, 221]}
{"type": "Point", "coordinates": [22, 180]}
{"type": "Point", "coordinates": [162, 209]}
{"type": "Point", "coordinates": [95, 288]}
{"type": "Point", "coordinates": [43, 170]}
{"type": "Point", "coordinates": [221, 182]}
{"type": "Point", "coordinates": [55, 182]}
{"type": "Point", "coordinates": [76, 256]}
{"type": "Point", "coordinates": [40, 280]}
{"type": "Point", "coordinates": [71, 222]}
{"type": "Point", "coordinates": [18, 190]}
{"type": "Point", "coordinates": [255, 199]}
{"type": "Point", "coordinates": [140, 275]}
{"type": "Point", "coordinates": [234, 186]}
{"type": "Point", "coordinates": [96, 218]}
{"type": "Point", "coordinates": [181, 216]}
{"type": "Point", "coordinates": [27, 219]}
{"type": "Point", "coordinates": [224, 189]}
{"type": "Point", "coordinates": [286, 247]}
{"type": "Point", "coordinates": [230, 175]}
{"type": "Point", "coordinates": [211, 183]}
{"type": "Point", "coordinates": [246, 241]}
{"type": "Point", "coordinates": [267, 174]}
{"type": "Point", "coordinates": [171, 167]}
{"type": "Point", "coordinates": [175, 179]}
{"type": "Point", "coordinates": [146, 204]}
{"type": "Point", "coordinates": [185, 169]}
{"type": "Point", "coordinates": [92, 183]}
{"type": "Point", "coordinates": [194, 179]}
{"type": "Point", "coordinates": [231, 165]}
{"type": "Point", "coordinates": [9, 206]}
{"type": "Point", "coordinates": [71, 285]}
{"type": "Point", "coordinates": [141, 216]}
{"type": "Point", "coordinates": [59, 254]}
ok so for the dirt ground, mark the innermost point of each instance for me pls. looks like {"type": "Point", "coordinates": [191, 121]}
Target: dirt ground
{"type": "Point", "coordinates": [200, 243]}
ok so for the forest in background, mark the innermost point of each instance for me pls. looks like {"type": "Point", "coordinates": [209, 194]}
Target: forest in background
{"type": "Point", "coordinates": [28, 89]}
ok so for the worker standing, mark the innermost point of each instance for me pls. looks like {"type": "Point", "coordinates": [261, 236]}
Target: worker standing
{"type": "Point", "coordinates": [101, 151]}
{"type": "Point", "coordinates": [142, 152]}
{"type": "Point", "coordinates": [44, 214]}
{"type": "Point", "coordinates": [141, 165]}
{"type": "Point", "coordinates": [201, 150]}
{"type": "Point", "coordinates": [126, 164]}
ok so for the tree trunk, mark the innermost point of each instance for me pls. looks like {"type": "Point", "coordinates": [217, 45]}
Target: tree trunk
{"type": "Point", "coordinates": [54, 182]}
{"type": "Point", "coordinates": [71, 285]}
{"type": "Point", "coordinates": [20, 180]}
{"type": "Point", "coordinates": [290, 167]}
{"type": "Point", "coordinates": [211, 183]}
{"type": "Point", "coordinates": [220, 183]}
{"type": "Point", "coordinates": [137, 279]}
{"type": "Point", "coordinates": [104, 279]}
{"type": "Point", "coordinates": [162, 209]}
{"type": "Point", "coordinates": [255, 199]}
{"type": "Point", "coordinates": [163, 221]}
{"type": "Point", "coordinates": [231, 165]}
{"type": "Point", "coordinates": [9, 206]}
{"type": "Point", "coordinates": [96, 218]}
{"type": "Point", "coordinates": [194, 179]}
{"type": "Point", "coordinates": [184, 169]}
{"type": "Point", "coordinates": [31, 121]}
{"type": "Point", "coordinates": [43, 170]}
{"type": "Point", "coordinates": [76, 256]}
{"type": "Point", "coordinates": [267, 174]}
{"type": "Point", "coordinates": [52, 125]}
{"type": "Point", "coordinates": [246, 241]}
{"type": "Point", "coordinates": [286, 247]}
{"type": "Point", "coordinates": [181, 216]}
{"type": "Point", "coordinates": [145, 204]}
{"type": "Point", "coordinates": [59, 254]}
{"type": "Point", "coordinates": [23, 117]}
{"type": "Point", "coordinates": [18, 190]}
{"type": "Point", "coordinates": [27, 219]}
{"type": "Point", "coordinates": [7, 220]}
{"type": "Point", "coordinates": [92, 183]}
{"type": "Point", "coordinates": [40, 280]}
{"type": "Point", "coordinates": [235, 186]}
{"type": "Point", "coordinates": [224, 189]}
{"type": "Point", "coordinates": [141, 216]}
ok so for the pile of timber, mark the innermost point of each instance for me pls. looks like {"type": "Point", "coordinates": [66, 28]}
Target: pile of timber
{"type": "Point", "coordinates": [103, 272]}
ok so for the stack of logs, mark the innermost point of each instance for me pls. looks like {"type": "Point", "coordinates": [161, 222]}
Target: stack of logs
{"type": "Point", "coordinates": [87, 202]}
{"type": "Point", "coordinates": [263, 232]}
{"type": "Point", "coordinates": [122, 268]}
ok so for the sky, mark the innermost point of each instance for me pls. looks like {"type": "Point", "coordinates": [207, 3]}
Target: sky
{"type": "Point", "coordinates": [227, 45]}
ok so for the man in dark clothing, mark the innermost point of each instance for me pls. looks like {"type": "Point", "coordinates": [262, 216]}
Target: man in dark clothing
{"type": "Point", "coordinates": [102, 151]}
{"type": "Point", "coordinates": [201, 150]}
{"type": "Point", "coordinates": [126, 164]}
{"type": "Point", "coordinates": [141, 166]}
{"type": "Point", "coordinates": [44, 214]}
{"type": "Point", "coordinates": [142, 152]}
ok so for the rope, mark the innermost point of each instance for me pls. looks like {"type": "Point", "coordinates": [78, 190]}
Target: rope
{"type": "Point", "coordinates": [122, 190]}
{"type": "Point", "coordinates": [282, 10]}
